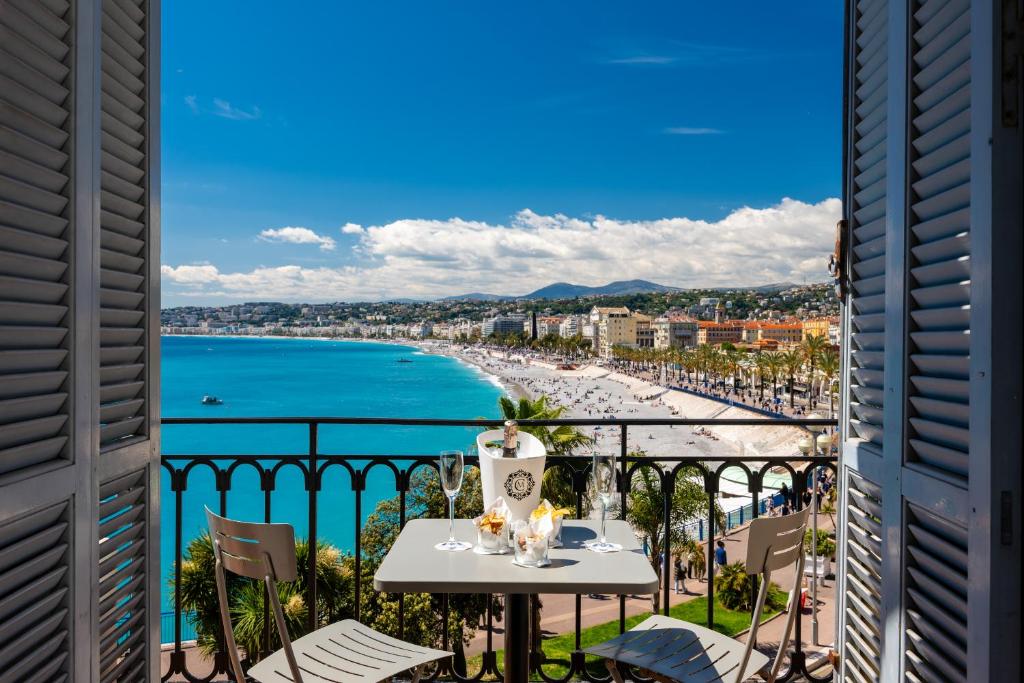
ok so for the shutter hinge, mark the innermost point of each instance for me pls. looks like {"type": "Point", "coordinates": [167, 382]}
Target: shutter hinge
{"type": "Point", "coordinates": [837, 261]}
{"type": "Point", "coordinates": [1012, 52]}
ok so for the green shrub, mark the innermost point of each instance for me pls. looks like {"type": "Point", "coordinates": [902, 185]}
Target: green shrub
{"type": "Point", "coordinates": [826, 546]}
{"type": "Point", "coordinates": [733, 589]}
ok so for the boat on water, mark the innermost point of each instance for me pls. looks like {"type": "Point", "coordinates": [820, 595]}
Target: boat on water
{"type": "Point", "coordinates": [210, 400]}
{"type": "Point", "coordinates": [404, 360]}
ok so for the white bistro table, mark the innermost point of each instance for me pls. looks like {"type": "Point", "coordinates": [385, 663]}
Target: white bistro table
{"type": "Point", "coordinates": [414, 566]}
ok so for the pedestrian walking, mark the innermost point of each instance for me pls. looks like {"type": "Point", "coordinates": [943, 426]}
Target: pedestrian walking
{"type": "Point", "coordinates": [720, 556]}
{"type": "Point", "coordinates": [680, 575]}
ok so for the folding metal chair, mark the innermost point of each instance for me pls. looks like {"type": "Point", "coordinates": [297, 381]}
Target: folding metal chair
{"type": "Point", "coordinates": [343, 652]}
{"type": "Point", "coordinates": [677, 650]}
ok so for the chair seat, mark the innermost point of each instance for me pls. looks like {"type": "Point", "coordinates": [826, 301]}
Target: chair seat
{"type": "Point", "coordinates": [345, 652]}
{"type": "Point", "coordinates": [681, 651]}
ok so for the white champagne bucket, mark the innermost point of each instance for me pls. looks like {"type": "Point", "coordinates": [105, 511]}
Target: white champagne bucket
{"type": "Point", "coordinates": [517, 480]}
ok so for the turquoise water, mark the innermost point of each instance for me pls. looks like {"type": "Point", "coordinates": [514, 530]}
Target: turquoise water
{"type": "Point", "coordinates": [294, 377]}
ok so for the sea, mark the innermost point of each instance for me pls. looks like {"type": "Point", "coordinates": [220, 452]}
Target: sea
{"type": "Point", "coordinates": [286, 377]}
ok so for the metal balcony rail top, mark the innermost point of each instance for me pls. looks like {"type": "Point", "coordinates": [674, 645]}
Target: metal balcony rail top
{"type": "Point", "coordinates": [178, 466]}
{"type": "Point", "coordinates": [480, 422]}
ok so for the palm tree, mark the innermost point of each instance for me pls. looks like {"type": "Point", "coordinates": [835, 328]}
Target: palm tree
{"type": "Point", "coordinates": [731, 364]}
{"type": "Point", "coordinates": [811, 349]}
{"type": "Point", "coordinates": [761, 365]}
{"type": "Point", "coordinates": [773, 364]}
{"type": "Point", "coordinates": [792, 361]}
{"type": "Point", "coordinates": [829, 368]}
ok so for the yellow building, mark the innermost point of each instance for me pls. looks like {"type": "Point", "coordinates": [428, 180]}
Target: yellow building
{"type": "Point", "coordinates": [815, 327]}
{"type": "Point", "coordinates": [613, 326]}
{"type": "Point", "coordinates": [718, 333]}
{"type": "Point", "coordinates": [783, 333]}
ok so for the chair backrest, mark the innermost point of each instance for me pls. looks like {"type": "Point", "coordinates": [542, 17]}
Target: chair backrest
{"type": "Point", "coordinates": [257, 551]}
{"type": "Point", "coordinates": [251, 550]}
{"type": "Point", "coordinates": [774, 543]}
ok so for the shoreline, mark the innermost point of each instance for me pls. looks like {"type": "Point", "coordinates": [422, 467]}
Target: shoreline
{"type": "Point", "coordinates": [600, 393]}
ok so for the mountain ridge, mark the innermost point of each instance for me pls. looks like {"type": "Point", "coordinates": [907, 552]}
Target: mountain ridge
{"type": "Point", "coordinates": [568, 290]}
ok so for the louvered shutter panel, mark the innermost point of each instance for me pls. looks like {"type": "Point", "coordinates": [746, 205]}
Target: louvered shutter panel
{"type": "Point", "coordinates": [122, 578]}
{"type": "Point", "coordinates": [34, 596]}
{"type": "Point", "coordinates": [863, 580]}
{"type": "Point", "coordinates": [936, 598]}
{"type": "Point", "coordinates": [123, 227]}
{"type": "Point", "coordinates": [940, 265]}
{"type": "Point", "coordinates": [944, 474]}
{"type": "Point", "coordinates": [859, 628]}
{"type": "Point", "coordinates": [35, 112]}
{"type": "Point", "coordinates": [867, 275]}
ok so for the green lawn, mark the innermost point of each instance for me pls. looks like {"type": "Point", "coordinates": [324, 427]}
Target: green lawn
{"type": "Point", "coordinates": [557, 649]}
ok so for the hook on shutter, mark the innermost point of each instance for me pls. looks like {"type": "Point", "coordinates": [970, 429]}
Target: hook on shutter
{"type": "Point", "coordinates": [838, 260]}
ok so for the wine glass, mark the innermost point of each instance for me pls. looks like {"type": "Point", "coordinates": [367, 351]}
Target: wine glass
{"type": "Point", "coordinates": [602, 476]}
{"type": "Point", "coordinates": [451, 465]}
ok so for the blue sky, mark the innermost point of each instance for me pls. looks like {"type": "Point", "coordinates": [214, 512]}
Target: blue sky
{"type": "Point", "coordinates": [493, 146]}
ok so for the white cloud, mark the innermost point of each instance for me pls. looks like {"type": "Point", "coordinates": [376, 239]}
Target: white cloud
{"type": "Point", "coordinates": [352, 229]}
{"type": "Point", "coordinates": [191, 103]}
{"type": "Point", "coordinates": [420, 258]}
{"type": "Point", "coordinates": [298, 236]}
{"type": "Point", "coordinates": [686, 130]}
{"type": "Point", "coordinates": [224, 109]}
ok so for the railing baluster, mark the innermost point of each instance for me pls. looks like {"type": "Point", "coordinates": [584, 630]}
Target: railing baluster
{"type": "Point", "coordinates": [401, 525]}
{"type": "Point", "coordinates": [177, 484]}
{"type": "Point", "coordinates": [268, 486]}
{"type": "Point", "coordinates": [623, 457]}
{"type": "Point", "coordinates": [667, 489]}
{"type": "Point", "coordinates": [314, 485]}
{"type": "Point", "coordinates": [712, 531]}
{"type": "Point", "coordinates": [358, 483]}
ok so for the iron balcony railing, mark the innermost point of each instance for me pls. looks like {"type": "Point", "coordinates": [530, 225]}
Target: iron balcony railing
{"type": "Point", "coordinates": [314, 462]}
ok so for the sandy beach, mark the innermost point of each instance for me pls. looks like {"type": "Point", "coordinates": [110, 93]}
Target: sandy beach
{"type": "Point", "coordinates": [596, 392]}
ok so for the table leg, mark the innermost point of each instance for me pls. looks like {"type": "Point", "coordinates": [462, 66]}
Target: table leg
{"type": "Point", "coordinates": [517, 638]}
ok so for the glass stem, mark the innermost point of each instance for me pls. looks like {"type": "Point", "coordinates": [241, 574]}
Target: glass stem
{"type": "Point", "coordinates": [451, 519]}
{"type": "Point", "coordinates": [604, 513]}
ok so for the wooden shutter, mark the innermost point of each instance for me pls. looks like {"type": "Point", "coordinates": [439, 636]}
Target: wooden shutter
{"type": "Point", "coordinates": [35, 116]}
{"type": "Point", "coordinates": [943, 468]}
{"type": "Point", "coordinates": [868, 198]}
{"type": "Point", "coordinates": [34, 596]}
{"type": "Point", "coordinates": [867, 205]}
{"type": "Point", "coordinates": [939, 240]}
{"type": "Point", "coordinates": [126, 647]}
{"type": "Point", "coordinates": [123, 223]}
{"type": "Point", "coordinates": [122, 588]}
{"type": "Point", "coordinates": [862, 588]}
{"type": "Point", "coordinates": [936, 598]}
{"type": "Point", "coordinates": [37, 474]}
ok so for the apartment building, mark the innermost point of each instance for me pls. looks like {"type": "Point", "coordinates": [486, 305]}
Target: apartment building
{"type": "Point", "coordinates": [783, 333]}
{"type": "Point", "coordinates": [718, 333]}
{"type": "Point", "coordinates": [613, 326]}
{"type": "Point", "coordinates": [674, 332]}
